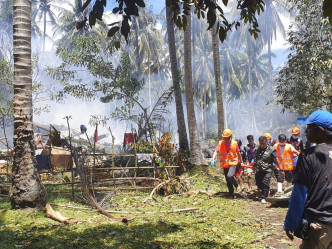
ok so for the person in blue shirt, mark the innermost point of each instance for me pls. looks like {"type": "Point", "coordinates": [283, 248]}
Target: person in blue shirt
{"type": "Point", "coordinates": [312, 193]}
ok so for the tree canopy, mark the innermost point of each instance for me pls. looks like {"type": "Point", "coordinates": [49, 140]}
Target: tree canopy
{"type": "Point", "coordinates": [210, 10]}
{"type": "Point", "coordinates": [304, 83]}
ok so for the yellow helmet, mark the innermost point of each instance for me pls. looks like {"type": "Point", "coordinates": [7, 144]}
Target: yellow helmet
{"type": "Point", "coordinates": [227, 133]}
{"type": "Point", "coordinates": [267, 135]}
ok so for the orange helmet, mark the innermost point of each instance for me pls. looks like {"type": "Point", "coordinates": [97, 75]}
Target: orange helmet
{"type": "Point", "coordinates": [295, 131]}
{"type": "Point", "coordinates": [267, 135]}
{"type": "Point", "coordinates": [227, 133]}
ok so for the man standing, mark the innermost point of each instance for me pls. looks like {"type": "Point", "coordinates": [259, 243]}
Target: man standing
{"type": "Point", "coordinates": [277, 170]}
{"type": "Point", "coordinates": [250, 150]}
{"type": "Point", "coordinates": [229, 157]}
{"type": "Point", "coordinates": [285, 155]}
{"type": "Point", "coordinates": [312, 193]}
{"type": "Point", "coordinates": [265, 155]}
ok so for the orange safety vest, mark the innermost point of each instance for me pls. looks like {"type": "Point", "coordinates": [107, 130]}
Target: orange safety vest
{"type": "Point", "coordinates": [229, 158]}
{"type": "Point", "coordinates": [286, 160]}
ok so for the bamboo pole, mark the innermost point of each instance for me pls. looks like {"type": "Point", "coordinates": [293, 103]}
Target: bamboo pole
{"type": "Point", "coordinates": [131, 212]}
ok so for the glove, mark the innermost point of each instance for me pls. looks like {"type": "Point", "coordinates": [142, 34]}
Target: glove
{"type": "Point", "coordinates": [212, 163]}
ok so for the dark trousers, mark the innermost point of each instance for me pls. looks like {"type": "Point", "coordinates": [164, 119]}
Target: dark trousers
{"type": "Point", "coordinates": [263, 179]}
{"type": "Point", "coordinates": [278, 175]}
{"type": "Point", "coordinates": [231, 179]}
{"type": "Point", "coordinates": [289, 175]}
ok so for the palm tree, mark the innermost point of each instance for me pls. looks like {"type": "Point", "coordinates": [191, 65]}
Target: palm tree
{"type": "Point", "coordinates": [45, 11]}
{"type": "Point", "coordinates": [67, 26]}
{"type": "Point", "coordinates": [182, 131]}
{"type": "Point", "coordinates": [147, 43]}
{"type": "Point", "coordinates": [27, 189]}
{"type": "Point", "coordinates": [252, 47]}
{"type": "Point", "coordinates": [216, 66]}
{"type": "Point", "coordinates": [270, 25]}
{"type": "Point", "coordinates": [196, 156]}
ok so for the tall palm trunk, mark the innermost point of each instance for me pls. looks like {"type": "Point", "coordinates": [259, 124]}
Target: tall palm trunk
{"type": "Point", "coordinates": [251, 104]}
{"type": "Point", "coordinates": [196, 155]}
{"type": "Point", "coordinates": [182, 131]}
{"type": "Point", "coordinates": [217, 78]}
{"type": "Point", "coordinates": [138, 59]}
{"type": "Point", "coordinates": [44, 38]}
{"type": "Point", "coordinates": [270, 58]}
{"type": "Point", "coordinates": [27, 189]}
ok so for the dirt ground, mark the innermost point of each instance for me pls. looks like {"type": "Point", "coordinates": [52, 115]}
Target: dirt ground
{"type": "Point", "coordinates": [270, 219]}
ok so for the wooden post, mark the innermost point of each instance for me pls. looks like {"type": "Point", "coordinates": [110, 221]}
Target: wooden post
{"type": "Point", "coordinates": [71, 153]}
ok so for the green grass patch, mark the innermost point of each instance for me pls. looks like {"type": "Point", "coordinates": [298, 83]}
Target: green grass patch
{"type": "Point", "coordinates": [219, 222]}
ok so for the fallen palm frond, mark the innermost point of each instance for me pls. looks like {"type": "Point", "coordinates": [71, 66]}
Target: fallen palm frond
{"type": "Point", "coordinates": [50, 213]}
{"type": "Point", "coordinates": [87, 189]}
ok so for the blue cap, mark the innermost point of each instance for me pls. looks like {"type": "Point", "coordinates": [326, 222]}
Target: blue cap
{"type": "Point", "coordinates": [320, 117]}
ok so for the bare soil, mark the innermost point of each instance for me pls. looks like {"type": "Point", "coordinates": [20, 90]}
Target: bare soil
{"type": "Point", "coordinates": [270, 219]}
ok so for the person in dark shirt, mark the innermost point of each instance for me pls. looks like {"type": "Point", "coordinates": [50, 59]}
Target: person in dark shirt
{"type": "Point", "coordinates": [265, 155]}
{"type": "Point", "coordinates": [250, 151]}
{"type": "Point", "coordinates": [239, 171]}
{"type": "Point", "coordinates": [312, 193]}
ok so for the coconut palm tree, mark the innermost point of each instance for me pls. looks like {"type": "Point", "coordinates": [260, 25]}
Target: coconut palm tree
{"type": "Point", "coordinates": [44, 10]}
{"type": "Point", "coordinates": [27, 189]}
{"type": "Point", "coordinates": [252, 47]}
{"type": "Point", "coordinates": [196, 156]}
{"type": "Point", "coordinates": [182, 131]}
{"type": "Point", "coordinates": [270, 25]}
{"type": "Point", "coordinates": [217, 80]}
{"type": "Point", "coordinates": [66, 31]}
{"type": "Point", "coordinates": [146, 41]}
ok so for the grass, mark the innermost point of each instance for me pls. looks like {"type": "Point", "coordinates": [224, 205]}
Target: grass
{"type": "Point", "coordinates": [219, 222]}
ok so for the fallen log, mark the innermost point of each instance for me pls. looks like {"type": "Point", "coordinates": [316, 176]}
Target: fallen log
{"type": "Point", "coordinates": [50, 213]}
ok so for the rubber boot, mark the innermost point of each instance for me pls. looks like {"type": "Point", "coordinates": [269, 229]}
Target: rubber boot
{"type": "Point", "coordinates": [279, 187]}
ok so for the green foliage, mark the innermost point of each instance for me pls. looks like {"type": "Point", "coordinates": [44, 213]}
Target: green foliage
{"type": "Point", "coordinates": [209, 9]}
{"type": "Point", "coordinates": [304, 83]}
{"type": "Point", "coordinates": [6, 89]}
{"type": "Point", "coordinates": [89, 57]}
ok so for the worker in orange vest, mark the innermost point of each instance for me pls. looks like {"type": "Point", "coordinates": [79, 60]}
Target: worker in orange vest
{"type": "Point", "coordinates": [229, 157]}
{"type": "Point", "coordinates": [285, 155]}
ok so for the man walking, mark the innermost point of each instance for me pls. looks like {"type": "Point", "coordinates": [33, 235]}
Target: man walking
{"type": "Point", "coordinates": [265, 155]}
{"type": "Point", "coordinates": [312, 193]}
{"type": "Point", "coordinates": [229, 157]}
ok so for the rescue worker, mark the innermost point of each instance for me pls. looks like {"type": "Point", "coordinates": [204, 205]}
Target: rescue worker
{"type": "Point", "coordinates": [229, 157]}
{"type": "Point", "coordinates": [311, 199]}
{"type": "Point", "coordinates": [296, 141]}
{"type": "Point", "coordinates": [276, 170]}
{"type": "Point", "coordinates": [239, 170]}
{"type": "Point", "coordinates": [285, 155]}
{"type": "Point", "coordinates": [250, 150]}
{"type": "Point", "coordinates": [264, 164]}
{"type": "Point", "coordinates": [270, 141]}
